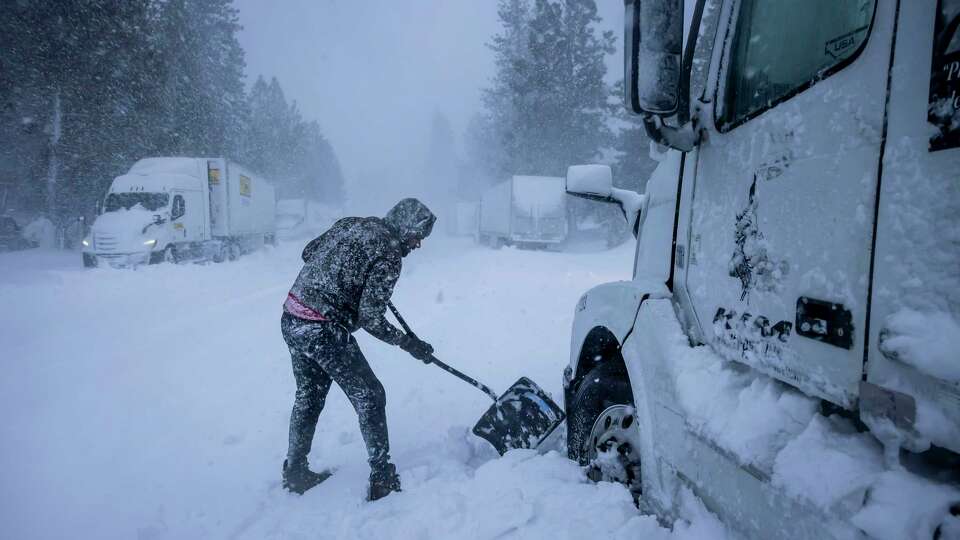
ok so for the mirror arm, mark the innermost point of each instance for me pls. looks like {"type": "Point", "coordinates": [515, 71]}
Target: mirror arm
{"type": "Point", "coordinates": [601, 198]}
{"type": "Point", "coordinates": [683, 138]}
{"type": "Point", "coordinates": [612, 200]}
{"type": "Point", "coordinates": [686, 66]}
{"type": "Point", "coordinates": [594, 197]}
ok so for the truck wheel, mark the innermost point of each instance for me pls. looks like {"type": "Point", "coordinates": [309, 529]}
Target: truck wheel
{"type": "Point", "coordinates": [233, 252]}
{"type": "Point", "coordinates": [89, 261]}
{"type": "Point", "coordinates": [220, 253]}
{"type": "Point", "coordinates": [170, 256]}
{"type": "Point", "coordinates": [602, 429]}
{"type": "Point", "coordinates": [496, 242]}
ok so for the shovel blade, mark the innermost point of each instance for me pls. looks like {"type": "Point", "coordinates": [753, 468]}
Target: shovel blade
{"type": "Point", "coordinates": [521, 418]}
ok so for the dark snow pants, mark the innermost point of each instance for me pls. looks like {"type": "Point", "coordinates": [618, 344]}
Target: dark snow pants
{"type": "Point", "coordinates": [324, 352]}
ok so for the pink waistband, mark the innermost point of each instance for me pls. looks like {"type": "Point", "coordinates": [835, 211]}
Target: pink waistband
{"type": "Point", "coordinates": [295, 307]}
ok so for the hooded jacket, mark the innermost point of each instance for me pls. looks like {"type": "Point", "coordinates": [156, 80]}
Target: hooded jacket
{"type": "Point", "coordinates": [349, 271]}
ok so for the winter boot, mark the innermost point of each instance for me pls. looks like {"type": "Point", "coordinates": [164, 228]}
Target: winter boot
{"type": "Point", "coordinates": [298, 477]}
{"type": "Point", "coordinates": [383, 481]}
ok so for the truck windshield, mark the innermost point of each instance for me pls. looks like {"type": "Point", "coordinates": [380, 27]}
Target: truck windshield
{"type": "Point", "coordinates": [126, 201]}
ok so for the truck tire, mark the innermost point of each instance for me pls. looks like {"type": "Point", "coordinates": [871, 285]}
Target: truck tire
{"type": "Point", "coordinates": [170, 255]}
{"type": "Point", "coordinates": [219, 252]}
{"type": "Point", "coordinates": [89, 261]}
{"type": "Point", "coordinates": [602, 423]}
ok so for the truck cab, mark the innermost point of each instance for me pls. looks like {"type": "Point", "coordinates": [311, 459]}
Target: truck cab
{"type": "Point", "coordinates": [175, 208]}
{"type": "Point", "coordinates": [147, 217]}
{"type": "Point", "coordinates": [795, 302]}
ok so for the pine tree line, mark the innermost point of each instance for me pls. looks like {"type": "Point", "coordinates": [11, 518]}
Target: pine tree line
{"type": "Point", "coordinates": [292, 152]}
{"type": "Point", "coordinates": [548, 106]}
{"type": "Point", "coordinates": [88, 87]}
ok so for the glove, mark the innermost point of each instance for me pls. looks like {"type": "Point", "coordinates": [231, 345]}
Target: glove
{"type": "Point", "coordinates": [419, 349]}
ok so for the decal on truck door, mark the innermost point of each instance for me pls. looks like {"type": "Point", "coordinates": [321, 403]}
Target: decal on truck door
{"type": "Point", "coordinates": [943, 110]}
{"type": "Point", "coordinates": [751, 261]}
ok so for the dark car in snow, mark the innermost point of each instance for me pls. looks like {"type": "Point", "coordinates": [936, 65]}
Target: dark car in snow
{"type": "Point", "coordinates": [10, 236]}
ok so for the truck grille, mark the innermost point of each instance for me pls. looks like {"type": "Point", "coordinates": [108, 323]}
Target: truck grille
{"type": "Point", "coordinates": [105, 243]}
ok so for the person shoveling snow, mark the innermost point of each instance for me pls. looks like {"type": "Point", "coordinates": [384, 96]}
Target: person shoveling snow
{"type": "Point", "coordinates": [346, 282]}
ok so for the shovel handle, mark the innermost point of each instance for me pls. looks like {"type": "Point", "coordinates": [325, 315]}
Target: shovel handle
{"type": "Point", "coordinates": [433, 359]}
{"type": "Point", "coordinates": [403, 323]}
{"type": "Point", "coordinates": [466, 378]}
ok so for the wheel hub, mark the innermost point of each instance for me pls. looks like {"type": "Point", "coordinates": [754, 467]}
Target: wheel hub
{"type": "Point", "coordinates": [613, 447]}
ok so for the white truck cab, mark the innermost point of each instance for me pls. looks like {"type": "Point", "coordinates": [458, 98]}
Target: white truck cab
{"type": "Point", "coordinates": [787, 349]}
{"type": "Point", "coordinates": [168, 209]}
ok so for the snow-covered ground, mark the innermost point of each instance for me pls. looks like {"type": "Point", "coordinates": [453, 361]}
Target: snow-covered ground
{"type": "Point", "coordinates": [154, 403]}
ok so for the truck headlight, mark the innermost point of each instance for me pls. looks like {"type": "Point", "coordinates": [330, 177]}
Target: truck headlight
{"type": "Point", "coordinates": [152, 242]}
{"type": "Point", "coordinates": [85, 242]}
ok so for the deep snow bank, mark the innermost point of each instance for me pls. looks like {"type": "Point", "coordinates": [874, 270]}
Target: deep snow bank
{"type": "Point", "coordinates": [153, 403]}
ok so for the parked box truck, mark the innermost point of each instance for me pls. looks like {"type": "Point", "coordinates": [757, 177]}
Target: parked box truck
{"type": "Point", "coordinates": [525, 210]}
{"type": "Point", "coordinates": [173, 208]}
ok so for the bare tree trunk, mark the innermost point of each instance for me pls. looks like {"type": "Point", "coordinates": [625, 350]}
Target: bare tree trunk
{"type": "Point", "coordinates": [53, 167]}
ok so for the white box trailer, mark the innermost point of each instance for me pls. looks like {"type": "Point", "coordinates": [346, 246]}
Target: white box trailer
{"type": "Point", "coordinates": [787, 347]}
{"type": "Point", "coordinates": [173, 208]}
{"type": "Point", "coordinates": [525, 210]}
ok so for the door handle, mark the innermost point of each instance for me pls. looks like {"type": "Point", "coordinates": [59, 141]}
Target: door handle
{"type": "Point", "coordinates": [825, 321]}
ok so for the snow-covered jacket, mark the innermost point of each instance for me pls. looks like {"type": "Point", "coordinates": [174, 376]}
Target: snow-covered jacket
{"type": "Point", "coordinates": [350, 270]}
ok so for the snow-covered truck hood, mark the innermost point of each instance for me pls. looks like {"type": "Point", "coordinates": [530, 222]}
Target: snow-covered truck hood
{"type": "Point", "coordinates": [122, 231]}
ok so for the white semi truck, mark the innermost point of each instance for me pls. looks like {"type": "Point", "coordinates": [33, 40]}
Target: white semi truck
{"type": "Point", "coordinates": [177, 208]}
{"type": "Point", "coordinates": [788, 348]}
{"type": "Point", "coordinates": [525, 211]}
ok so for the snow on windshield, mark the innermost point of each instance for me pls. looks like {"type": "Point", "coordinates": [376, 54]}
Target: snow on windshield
{"type": "Point", "coordinates": [129, 201]}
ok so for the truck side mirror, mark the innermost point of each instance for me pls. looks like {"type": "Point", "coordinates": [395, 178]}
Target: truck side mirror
{"type": "Point", "coordinates": [653, 38]}
{"type": "Point", "coordinates": [595, 182]}
{"type": "Point", "coordinates": [590, 181]}
{"type": "Point", "coordinates": [179, 208]}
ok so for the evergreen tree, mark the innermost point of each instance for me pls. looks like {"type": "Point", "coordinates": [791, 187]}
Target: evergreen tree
{"type": "Point", "coordinates": [633, 164]}
{"type": "Point", "coordinates": [481, 167]}
{"type": "Point", "coordinates": [504, 99]}
{"type": "Point", "coordinates": [91, 86]}
{"type": "Point", "coordinates": [323, 179]}
{"type": "Point", "coordinates": [440, 166]}
{"type": "Point", "coordinates": [268, 133]}
{"type": "Point", "coordinates": [548, 102]}
{"type": "Point", "coordinates": [202, 79]}
{"type": "Point", "coordinates": [292, 153]}
{"type": "Point", "coordinates": [72, 103]}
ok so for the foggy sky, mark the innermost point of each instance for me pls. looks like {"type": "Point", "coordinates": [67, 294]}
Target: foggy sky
{"type": "Point", "coordinates": [374, 72]}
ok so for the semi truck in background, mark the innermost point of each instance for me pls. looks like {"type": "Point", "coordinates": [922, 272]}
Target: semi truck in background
{"type": "Point", "coordinates": [787, 347]}
{"type": "Point", "coordinates": [528, 211]}
{"type": "Point", "coordinates": [179, 208]}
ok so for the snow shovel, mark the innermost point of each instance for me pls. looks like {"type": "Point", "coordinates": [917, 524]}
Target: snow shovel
{"type": "Point", "coordinates": [521, 418]}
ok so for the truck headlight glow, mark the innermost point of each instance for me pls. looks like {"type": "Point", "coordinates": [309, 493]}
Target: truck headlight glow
{"type": "Point", "coordinates": [152, 242]}
{"type": "Point", "coordinates": [85, 242]}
